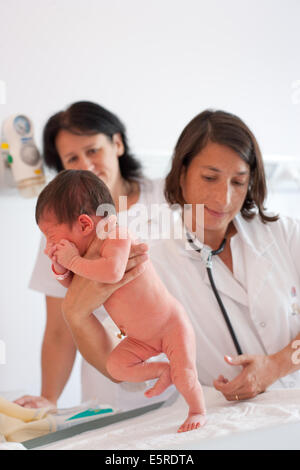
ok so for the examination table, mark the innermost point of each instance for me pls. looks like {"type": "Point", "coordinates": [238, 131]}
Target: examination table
{"type": "Point", "coordinates": [269, 421]}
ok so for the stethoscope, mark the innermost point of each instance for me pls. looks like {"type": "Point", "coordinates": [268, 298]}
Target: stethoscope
{"type": "Point", "coordinates": [209, 255]}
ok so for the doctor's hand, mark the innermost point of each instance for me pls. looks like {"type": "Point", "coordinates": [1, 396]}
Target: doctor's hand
{"type": "Point", "coordinates": [259, 372]}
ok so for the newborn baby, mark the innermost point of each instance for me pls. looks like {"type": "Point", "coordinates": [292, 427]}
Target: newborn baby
{"type": "Point", "coordinates": [149, 317]}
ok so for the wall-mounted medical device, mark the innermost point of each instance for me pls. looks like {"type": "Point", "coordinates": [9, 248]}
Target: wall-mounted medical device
{"type": "Point", "coordinates": [20, 157]}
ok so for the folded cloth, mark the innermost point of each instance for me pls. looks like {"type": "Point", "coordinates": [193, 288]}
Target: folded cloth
{"type": "Point", "coordinates": [18, 424]}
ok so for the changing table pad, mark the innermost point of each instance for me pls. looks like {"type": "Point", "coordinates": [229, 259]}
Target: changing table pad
{"type": "Point", "coordinates": [157, 429]}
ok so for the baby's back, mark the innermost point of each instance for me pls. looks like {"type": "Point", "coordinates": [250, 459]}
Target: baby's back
{"type": "Point", "coordinates": [142, 307]}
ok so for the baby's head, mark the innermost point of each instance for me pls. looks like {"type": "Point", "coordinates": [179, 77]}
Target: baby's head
{"type": "Point", "coordinates": [67, 207]}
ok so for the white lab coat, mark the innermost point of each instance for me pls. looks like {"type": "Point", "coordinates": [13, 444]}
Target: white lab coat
{"type": "Point", "coordinates": [262, 296]}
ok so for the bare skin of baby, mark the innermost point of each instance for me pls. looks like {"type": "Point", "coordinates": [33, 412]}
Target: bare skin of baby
{"type": "Point", "coordinates": [149, 317]}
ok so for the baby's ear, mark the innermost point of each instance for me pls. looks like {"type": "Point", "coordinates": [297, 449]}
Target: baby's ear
{"type": "Point", "coordinates": [85, 224]}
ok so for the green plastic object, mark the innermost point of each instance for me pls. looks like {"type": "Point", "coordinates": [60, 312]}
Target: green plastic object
{"type": "Point", "coordinates": [91, 412]}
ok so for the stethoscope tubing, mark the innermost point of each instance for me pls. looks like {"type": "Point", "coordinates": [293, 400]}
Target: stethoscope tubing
{"type": "Point", "coordinates": [215, 290]}
{"type": "Point", "coordinates": [223, 310]}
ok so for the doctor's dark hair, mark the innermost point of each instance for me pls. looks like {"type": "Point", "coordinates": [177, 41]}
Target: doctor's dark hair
{"type": "Point", "coordinates": [225, 129]}
{"type": "Point", "coordinates": [87, 118]}
{"type": "Point", "coordinates": [72, 193]}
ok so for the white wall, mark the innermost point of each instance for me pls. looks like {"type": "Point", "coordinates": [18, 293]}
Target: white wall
{"type": "Point", "coordinates": [22, 311]}
{"type": "Point", "coordinates": [156, 63]}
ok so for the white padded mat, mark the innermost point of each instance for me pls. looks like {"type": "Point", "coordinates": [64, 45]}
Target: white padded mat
{"type": "Point", "coordinates": [157, 429]}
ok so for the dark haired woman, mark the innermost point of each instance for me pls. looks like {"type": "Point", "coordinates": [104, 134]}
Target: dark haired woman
{"type": "Point", "coordinates": [217, 164]}
{"type": "Point", "coordinates": [87, 136]}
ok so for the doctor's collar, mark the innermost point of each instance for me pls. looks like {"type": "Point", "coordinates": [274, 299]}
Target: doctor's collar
{"type": "Point", "coordinates": [206, 253]}
{"type": "Point", "coordinates": [198, 245]}
{"type": "Point", "coordinates": [253, 233]}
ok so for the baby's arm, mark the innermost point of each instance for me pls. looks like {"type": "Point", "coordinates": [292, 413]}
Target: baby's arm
{"type": "Point", "coordinates": [64, 278]}
{"type": "Point", "coordinates": [108, 268]}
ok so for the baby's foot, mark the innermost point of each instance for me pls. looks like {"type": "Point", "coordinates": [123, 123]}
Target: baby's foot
{"type": "Point", "coordinates": [160, 385]}
{"type": "Point", "coordinates": [193, 421]}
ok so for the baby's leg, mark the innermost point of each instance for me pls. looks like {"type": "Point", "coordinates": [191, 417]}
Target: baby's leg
{"type": "Point", "coordinates": [127, 363]}
{"type": "Point", "coordinates": [180, 347]}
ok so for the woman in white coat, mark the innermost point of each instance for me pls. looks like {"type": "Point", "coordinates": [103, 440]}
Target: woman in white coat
{"type": "Point", "coordinates": [217, 163]}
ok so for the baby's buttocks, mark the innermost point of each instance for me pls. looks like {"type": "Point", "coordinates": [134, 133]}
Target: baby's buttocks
{"type": "Point", "coordinates": [142, 349]}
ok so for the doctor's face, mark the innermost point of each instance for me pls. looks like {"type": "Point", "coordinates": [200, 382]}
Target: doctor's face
{"type": "Point", "coordinates": [96, 153]}
{"type": "Point", "coordinates": [217, 178]}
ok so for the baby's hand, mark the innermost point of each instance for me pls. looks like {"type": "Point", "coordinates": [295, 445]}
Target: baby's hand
{"type": "Point", "coordinates": [66, 252]}
{"type": "Point", "coordinates": [50, 252]}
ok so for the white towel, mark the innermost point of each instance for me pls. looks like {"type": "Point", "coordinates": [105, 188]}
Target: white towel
{"type": "Point", "coordinates": [18, 424]}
